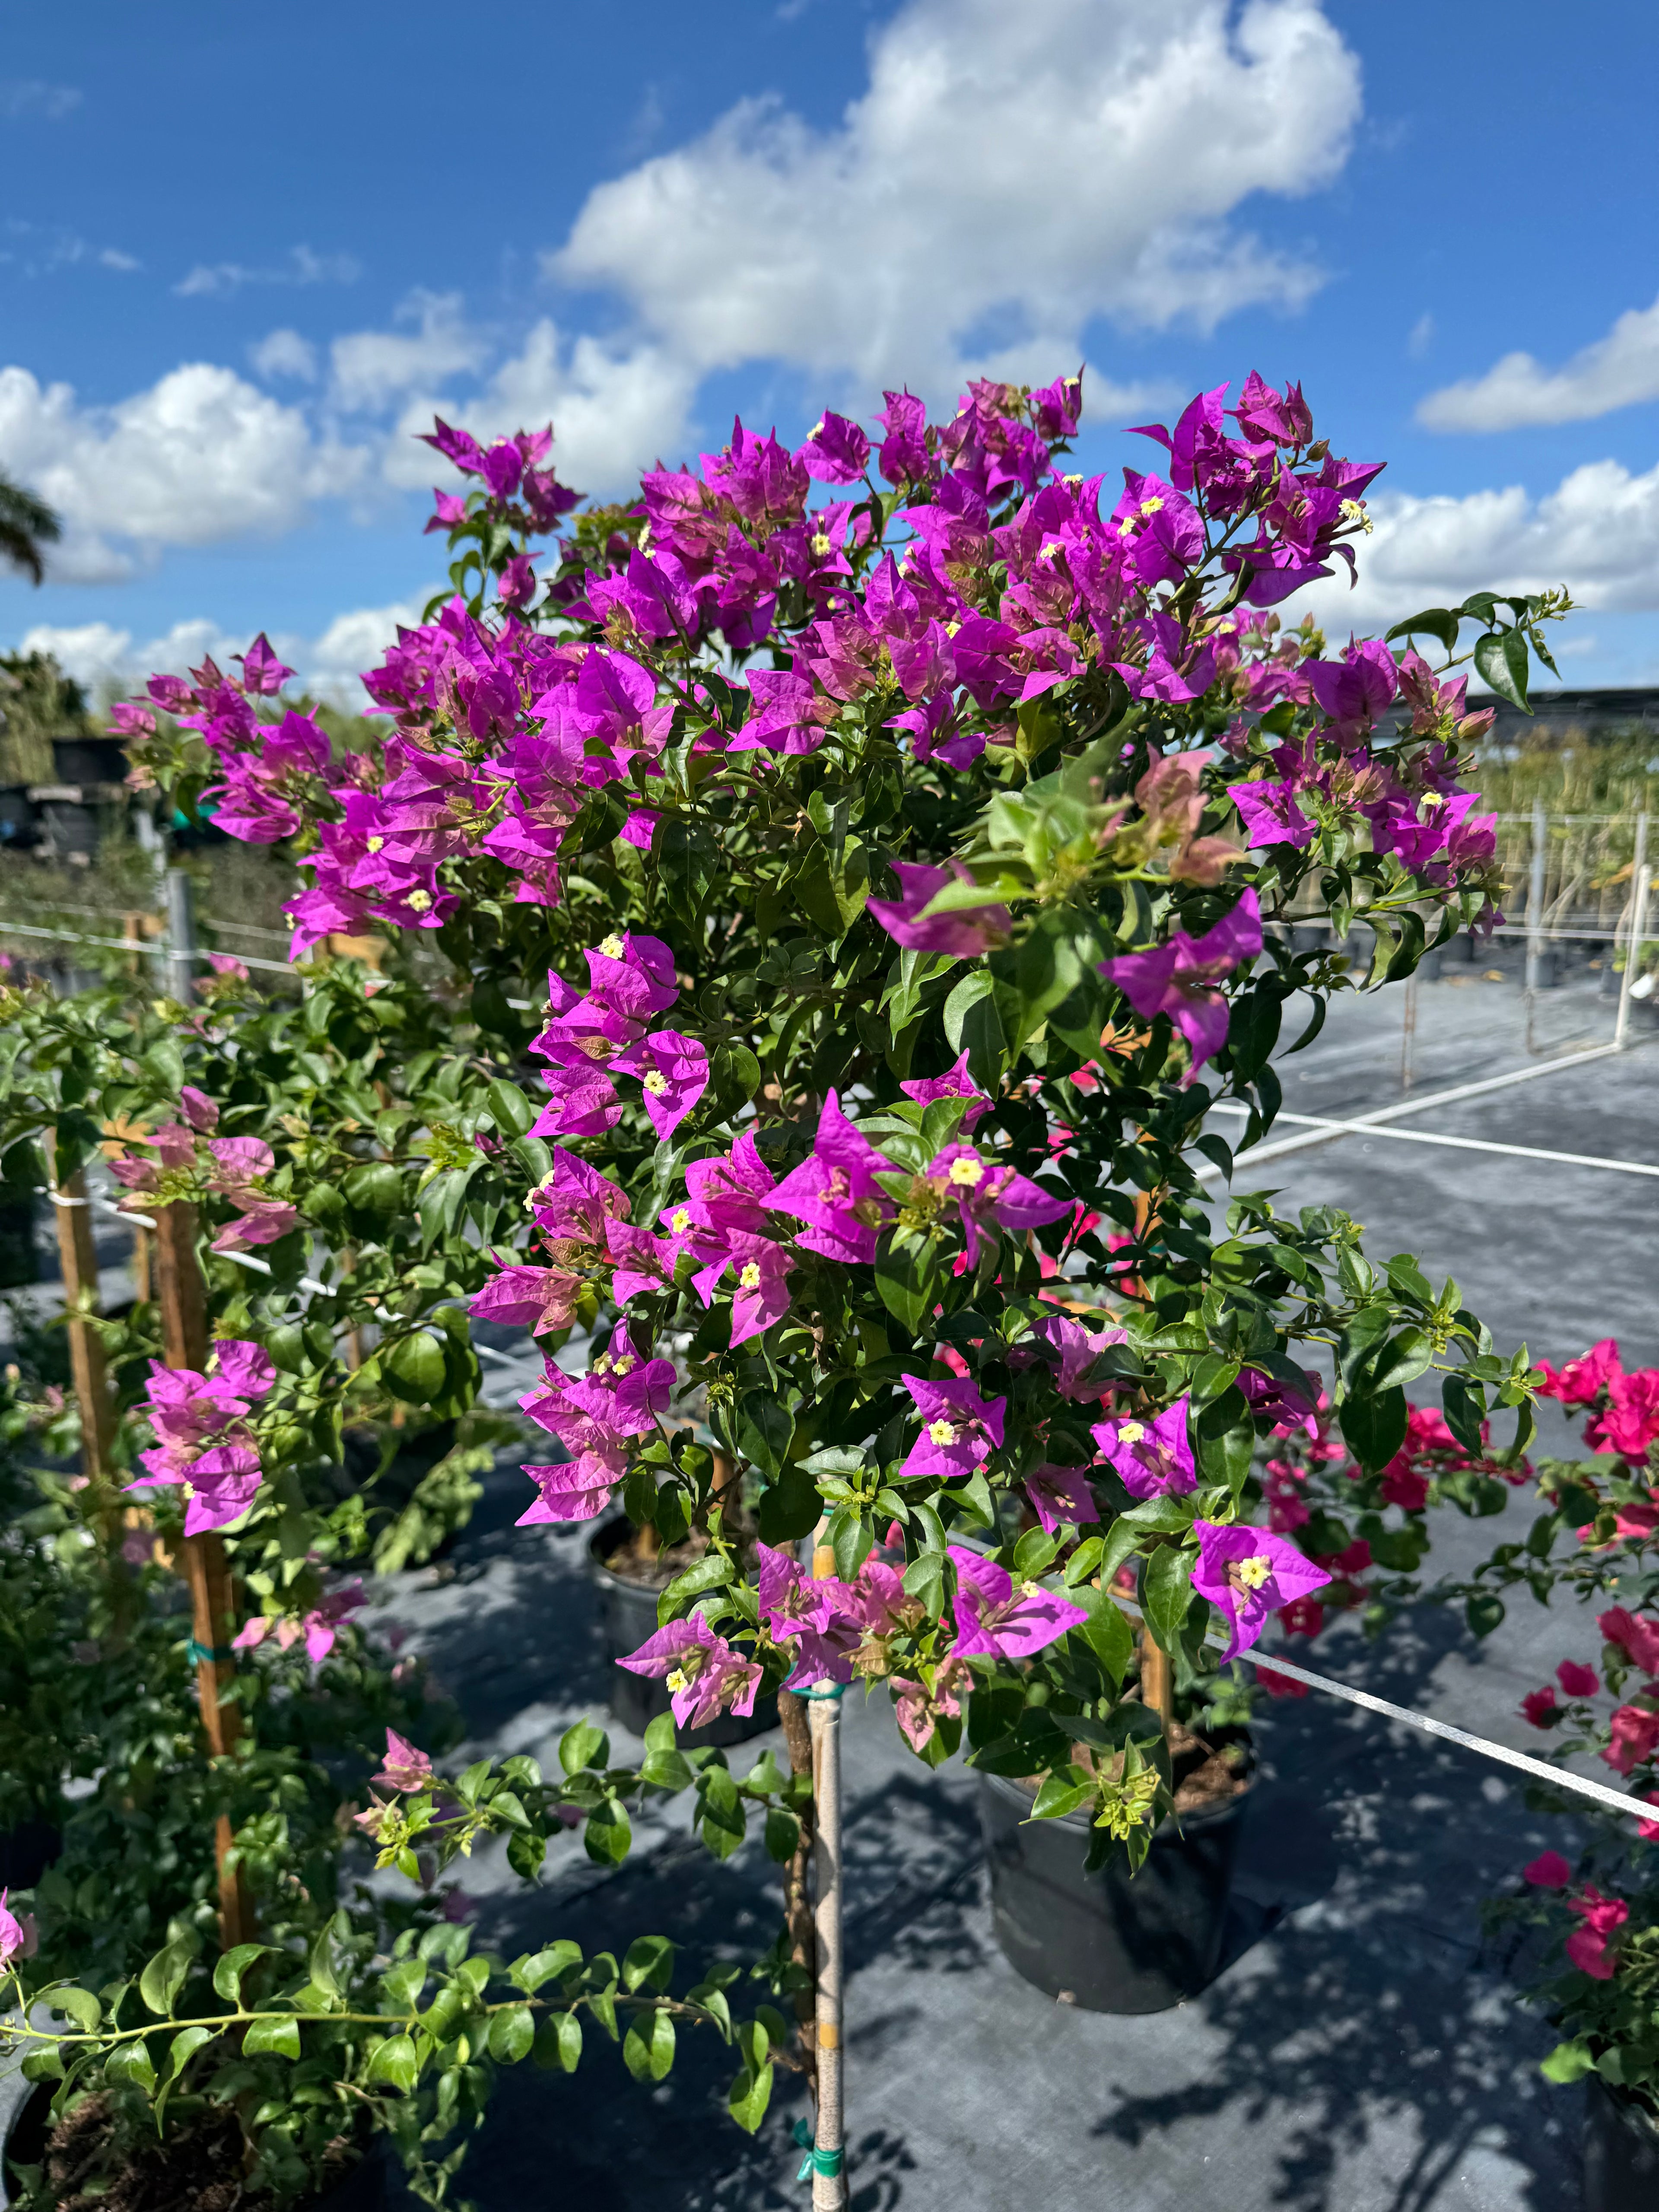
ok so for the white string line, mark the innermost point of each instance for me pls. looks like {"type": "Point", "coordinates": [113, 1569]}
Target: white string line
{"type": "Point", "coordinates": [1462, 1144]}
{"type": "Point", "coordinates": [1611, 1799]}
{"type": "Point", "coordinates": [155, 947]}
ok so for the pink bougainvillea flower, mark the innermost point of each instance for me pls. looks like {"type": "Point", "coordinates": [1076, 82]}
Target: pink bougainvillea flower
{"type": "Point", "coordinates": [576, 1488]}
{"type": "Point", "coordinates": [1582, 1381]}
{"type": "Point", "coordinates": [1154, 1458]}
{"type": "Point", "coordinates": [961, 935]}
{"type": "Point", "coordinates": [760, 1295]}
{"type": "Point", "coordinates": [955, 1082]}
{"type": "Point", "coordinates": [1578, 1682]}
{"type": "Point", "coordinates": [403, 1768]}
{"type": "Point", "coordinates": [220, 1484]}
{"type": "Point", "coordinates": [704, 1675]}
{"type": "Point", "coordinates": [959, 1429]}
{"type": "Point", "coordinates": [836, 451]}
{"type": "Point", "coordinates": [200, 1111]}
{"type": "Point", "coordinates": [988, 1192]}
{"type": "Point", "coordinates": [541, 1299]}
{"type": "Point", "coordinates": [1635, 1738]}
{"type": "Point", "coordinates": [584, 1103]}
{"type": "Point", "coordinates": [1073, 1350]}
{"type": "Point", "coordinates": [1629, 1422]}
{"type": "Point", "coordinates": [1061, 1495]}
{"type": "Point", "coordinates": [919, 1709]}
{"type": "Point", "coordinates": [1549, 1871]}
{"type": "Point", "coordinates": [17, 1936]}
{"type": "Point", "coordinates": [1247, 1573]}
{"type": "Point", "coordinates": [834, 1191]}
{"type": "Point", "coordinates": [997, 1620]}
{"type": "Point", "coordinates": [821, 1617]}
{"type": "Point", "coordinates": [1539, 1708]}
{"type": "Point", "coordinates": [1271, 815]}
{"type": "Point", "coordinates": [1587, 1947]}
{"type": "Point", "coordinates": [673, 1072]}
{"type": "Point", "coordinates": [1176, 978]}
{"type": "Point", "coordinates": [1639, 1638]}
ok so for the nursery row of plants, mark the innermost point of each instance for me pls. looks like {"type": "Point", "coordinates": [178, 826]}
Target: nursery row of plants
{"type": "Point", "coordinates": [855, 874]}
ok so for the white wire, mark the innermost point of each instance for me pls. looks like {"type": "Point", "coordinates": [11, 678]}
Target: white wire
{"type": "Point", "coordinates": [1428, 1136]}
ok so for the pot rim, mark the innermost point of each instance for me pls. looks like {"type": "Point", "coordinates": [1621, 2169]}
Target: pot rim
{"type": "Point", "coordinates": [1631, 2111]}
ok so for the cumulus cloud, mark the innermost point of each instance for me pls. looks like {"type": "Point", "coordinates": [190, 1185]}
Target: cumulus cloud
{"type": "Point", "coordinates": [1621, 370]}
{"type": "Point", "coordinates": [113, 663]}
{"type": "Point", "coordinates": [1009, 174]}
{"type": "Point", "coordinates": [200, 456]}
{"type": "Point", "coordinates": [302, 266]}
{"type": "Point", "coordinates": [1597, 533]}
{"type": "Point", "coordinates": [372, 368]}
{"type": "Point", "coordinates": [285, 353]}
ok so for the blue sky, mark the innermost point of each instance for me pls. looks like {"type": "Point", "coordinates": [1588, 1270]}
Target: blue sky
{"type": "Point", "coordinates": [239, 264]}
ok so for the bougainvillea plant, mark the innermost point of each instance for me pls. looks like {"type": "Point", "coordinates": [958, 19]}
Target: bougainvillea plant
{"type": "Point", "coordinates": [897, 880]}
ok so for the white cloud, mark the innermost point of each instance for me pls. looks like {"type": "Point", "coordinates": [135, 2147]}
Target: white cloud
{"type": "Point", "coordinates": [200, 456]}
{"type": "Point", "coordinates": [1597, 533]}
{"type": "Point", "coordinates": [1422, 337]}
{"type": "Point", "coordinates": [302, 266]}
{"type": "Point", "coordinates": [285, 353]}
{"type": "Point", "coordinates": [111, 663]}
{"type": "Point", "coordinates": [373, 368]}
{"type": "Point", "coordinates": [111, 256]}
{"type": "Point", "coordinates": [1032, 167]}
{"type": "Point", "coordinates": [1621, 370]}
{"type": "Point", "coordinates": [31, 95]}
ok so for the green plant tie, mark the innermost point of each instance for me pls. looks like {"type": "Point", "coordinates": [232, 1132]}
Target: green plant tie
{"type": "Point", "coordinates": [825, 1690]}
{"type": "Point", "coordinates": [826, 2162]}
{"type": "Point", "coordinates": [208, 1653]}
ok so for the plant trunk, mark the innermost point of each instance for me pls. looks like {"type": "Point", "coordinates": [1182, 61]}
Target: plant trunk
{"type": "Point", "coordinates": [213, 1604]}
{"type": "Point", "coordinates": [798, 1886]}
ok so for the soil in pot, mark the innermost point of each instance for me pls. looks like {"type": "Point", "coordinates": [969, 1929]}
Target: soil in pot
{"type": "Point", "coordinates": [1621, 2152]}
{"type": "Point", "coordinates": [631, 1575]}
{"type": "Point", "coordinates": [194, 2168]}
{"type": "Point", "coordinates": [1108, 1941]}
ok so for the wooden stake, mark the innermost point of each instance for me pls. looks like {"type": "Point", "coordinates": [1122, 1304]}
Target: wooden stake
{"type": "Point", "coordinates": [829, 2151]}
{"type": "Point", "coordinates": [1157, 1682]}
{"type": "Point", "coordinates": [79, 1262]}
{"type": "Point", "coordinates": [798, 1885]}
{"type": "Point", "coordinates": [183, 1298]}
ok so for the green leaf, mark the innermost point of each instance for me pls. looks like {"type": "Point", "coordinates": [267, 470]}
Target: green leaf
{"type": "Point", "coordinates": [229, 1972]}
{"type": "Point", "coordinates": [394, 2062]}
{"type": "Point", "coordinates": [164, 1976]}
{"type": "Point", "coordinates": [1465, 1403]}
{"type": "Point", "coordinates": [559, 2043]}
{"type": "Point", "coordinates": [789, 1508]}
{"type": "Point", "coordinates": [1106, 1631]}
{"type": "Point", "coordinates": [1501, 659]}
{"type": "Point", "coordinates": [1402, 1360]}
{"type": "Point", "coordinates": [966, 994]}
{"type": "Point", "coordinates": [542, 1965]}
{"type": "Point", "coordinates": [1058, 1795]}
{"type": "Point", "coordinates": [648, 2047]}
{"type": "Point", "coordinates": [1436, 622]}
{"type": "Point", "coordinates": [904, 1278]}
{"type": "Point", "coordinates": [79, 2005]}
{"type": "Point", "coordinates": [511, 1111]}
{"type": "Point", "coordinates": [413, 1368]}
{"type": "Point", "coordinates": [712, 1572]}
{"type": "Point", "coordinates": [1166, 1594]}
{"type": "Point", "coordinates": [129, 2062]}
{"type": "Point", "coordinates": [275, 2038]}
{"type": "Point", "coordinates": [764, 1428]}
{"type": "Point", "coordinates": [649, 1958]}
{"type": "Point", "coordinates": [1375, 1427]}
{"type": "Point", "coordinates": [1483, 1612]}
{"type": "Point", "coordinates": [751, 2095]}
{"type": "Point", "coordinates": [734, 1072]}
{"type": "Point", "coordinates": [782, 1835]}
{"type": "Point", "coordinates": [583, 1746]}
{"type": "Point", "coordinates": [1568, 2062]}
{"type": "Point", "coordinates": [512, 2033]}
{"type": "Point", "coordinates": [182, 2049]}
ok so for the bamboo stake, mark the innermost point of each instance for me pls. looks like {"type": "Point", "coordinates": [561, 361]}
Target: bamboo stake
{"type": "Point", "coordinates": [213, 1605]}
{"type": "Point", "coordinates": [79, 1262]}
{"type": "Point", "coordinates": [798, 1885]}
{"type": "Point", "coordinates": [1638, 904]}
{"type": "Point", "coordinates": [829, 2152]}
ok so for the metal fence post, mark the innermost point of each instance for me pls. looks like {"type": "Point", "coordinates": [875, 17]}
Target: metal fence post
{"type": "Point", "coordinates": [181, 935]}
{"type": "Point", "coordinates": [1639, 918]}
{"type": "Point", "coordinates": [1535, 912]}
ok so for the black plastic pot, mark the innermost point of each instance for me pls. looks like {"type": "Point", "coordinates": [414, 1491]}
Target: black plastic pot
{"type": "Point", "coordinates": [72, 827]}
{"type": "Point", "coordinates": [362, 2189]}
{"type": "Point", "coordinates": [629, 1612]}
{"type": "Point", "coordinates": [18, 1261]}
{"type": "Point", "coordinates": [1621, 2152]}
{"type": "Point", "coordinates": [89, 760]}
{"type": "Point", "coordinates": [19, 817]}
{"type": "Point", "coordinates": [1108, 1941]}
{"type": "Point", "coordinates": [26, 1852]}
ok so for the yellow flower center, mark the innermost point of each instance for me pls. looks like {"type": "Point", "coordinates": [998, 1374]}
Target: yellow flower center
{"type": "Point", "coordinates": [627, 1363]}
{"type": "Point", "coordinates": [1151, 506]}
{"type": "Point", "coordinates": [821, 547]}
{"type": "Point", "coordinates": [375, 844]}
{"type": "Point", "coordinates": [749, 1280]}
{"type": "Point", "coordinates": [420, 901]}
{"type": "Point", "coordinates": [656, 1083]}
{"type": "Point", "coordinates": [677, 1681]}
{"type": "Point", "coordinates": [1131, 1432]}
{"type": "Point", "coordinates": [966, 1174]}
{"type": "Point", "coordinates": [941, 1432]}
{"type": "Point", "coordinates": [680, 1220]}
{"type": "Point", "coordinates": [1252, 1573]}
{"type": "Point", "coordinates": [611, 946]}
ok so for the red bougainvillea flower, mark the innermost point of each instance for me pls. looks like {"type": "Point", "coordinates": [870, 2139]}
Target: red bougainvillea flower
{"type": "Point", "coordinates": [1635, 1738]}
{"type": "Point", "coordinates": [1603, 1916]}
{"type": "Point", "coordinates": [1576, 1680]}
{"type": "Point", "coordinates": [1637, 1638]}
{"type": "Point", "coordinates": [1247, 1573]}
{"type": "Point", "coordinates": [705, 1676]}
{"type": "Point", "coordinates": [1581, 1382]}
{"type": "Point", "coordinates": [1539, 1706]}
{"type": "Point", "coordinates": [1549, 1871]}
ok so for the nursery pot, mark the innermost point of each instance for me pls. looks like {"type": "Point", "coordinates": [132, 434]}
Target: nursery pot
{"type": "Point", "coordinates": [363, 2188]}
{"type": "Point", "coordinates": [1621, 2152]}
{"type": "Point", "coordinates": [26, 1852]}
{"type": "Point", "coordinates": [1108, 1941]}
{"type": "Point", "coordinates": [89, 760]}
{"type": "Point", "coordinates": [628, 1611]}
{"type": "Point", "coordinates": [72, 826]}
{"type": "Point", "coordinates": [18, 816]}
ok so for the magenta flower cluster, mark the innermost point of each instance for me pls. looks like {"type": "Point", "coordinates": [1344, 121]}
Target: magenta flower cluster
{"type": "Point", "coordinates": [202, 1436]}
